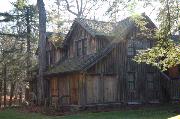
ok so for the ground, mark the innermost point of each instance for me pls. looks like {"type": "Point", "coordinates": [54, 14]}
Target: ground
{"type": "Point", "coordinates": [162, 112]}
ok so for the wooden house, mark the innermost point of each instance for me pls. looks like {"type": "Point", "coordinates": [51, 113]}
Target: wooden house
{"type": "Point", "coordinates": [93, 67]}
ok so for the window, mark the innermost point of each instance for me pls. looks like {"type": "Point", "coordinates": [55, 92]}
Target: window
{"type": "Point", "coordinates": [150, 82]}
{"type": "Point", "coordinates": [85, 46]}
{"type": "Point", "coordinates": [81, 46]}
{"type": "Point", "coordinates": [131, 81]}
{"type": "Point", "coordinates": [131, 48]}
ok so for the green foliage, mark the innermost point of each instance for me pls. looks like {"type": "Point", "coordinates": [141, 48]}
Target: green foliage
{"type": "Point", "coordinates": [20, 4]}
{"type": "Point", "coordinates": [165, 53]}
{"type": "Point", "coordinates": [159, 56]}
{"type": "Point", "coordinates": [13, 43]}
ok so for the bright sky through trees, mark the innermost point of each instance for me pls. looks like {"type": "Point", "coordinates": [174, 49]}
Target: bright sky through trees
{"type": "Point", "coordinates": [5, 5]}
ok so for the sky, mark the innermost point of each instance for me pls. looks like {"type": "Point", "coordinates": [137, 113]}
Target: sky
{"type": "Point", "coordinates": [5, 5]}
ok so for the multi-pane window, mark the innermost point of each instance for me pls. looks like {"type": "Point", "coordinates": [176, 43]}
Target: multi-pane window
{"type": "Point", "coordinates": [85, 46]}
{"type": "Point", "coordinates": [81, 47]}
{"type": "Point", "coordinates": [131, 81]}
{"type": "Point", "coordinates": [131, 48]}
{"type": "Point", "coordinates": [150, 81]}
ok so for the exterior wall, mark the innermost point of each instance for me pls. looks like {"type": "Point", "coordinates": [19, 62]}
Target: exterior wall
{"type": "Point", "coordinates": [174, 72]}
{"type": "Point", "coordinates": [115, 78]}
{"type": "Point", "coordinates": [174, 89]}
{"type": "Point", "coordinates": [142, 81]}
{"type": "Point", "coordinates": [93, 44]}
{"type": "Point", "coordinates": [101, 89]}
{"type": "Point", "coordinates": [66, 89]}
{"type": "Point", "coordinates": [77, 34]}
{"type": "Point", "coordinates": [54, 54]}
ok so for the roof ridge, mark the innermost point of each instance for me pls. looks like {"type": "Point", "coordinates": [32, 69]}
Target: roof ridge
{"type": "Point", "coordinates": [94, 20]}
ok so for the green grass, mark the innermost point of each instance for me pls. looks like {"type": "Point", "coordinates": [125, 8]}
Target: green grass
{"type": "Point", "coordinates": [147, 113]}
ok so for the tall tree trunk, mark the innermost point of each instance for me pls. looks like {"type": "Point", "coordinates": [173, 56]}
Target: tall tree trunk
{"type": "Point", "coordinates": [28, 61]}
{"type": "Point", "coordinates": [42, 51]}
{"type": "Point", "coordinates": [20, 96]}
{"type": "Point", "coordinates": [11, 93]}
{"type": "Point", "coordinates": [5, 81]}
{"type": "Point", "coordinates": [0, 93]}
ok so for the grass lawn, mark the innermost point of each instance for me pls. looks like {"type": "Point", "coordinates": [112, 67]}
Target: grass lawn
{"type": "Point", "coordinates": [147, 113]}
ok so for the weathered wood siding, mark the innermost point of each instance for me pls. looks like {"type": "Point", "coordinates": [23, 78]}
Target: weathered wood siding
{"type": "Point", "coordinates": [174, 89]}
{"type": "Point", "coordinates": [54, 54]}
{"type": "Point", "coordinates": [101, 89]}
{"type": "Point", "coordinates": [114, 78]}
{"type": "Point", "coordinates": [174, 72]}
{"type": "Point", "coordinates": [93, 44]}
{"type": "Point", "coordinates": [68, 89]}
{"type": "Point", "coordinates": [143, 81]}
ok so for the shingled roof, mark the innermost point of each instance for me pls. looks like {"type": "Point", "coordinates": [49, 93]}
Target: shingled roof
{"type": "Point", "coordinates": [97, 27]}
{"type": "Point", "coordinates": [122, 28]}
{"type": "Point", "coordinates": [80, 63]}
{"type": "Point", "coordinates": [94, 27]}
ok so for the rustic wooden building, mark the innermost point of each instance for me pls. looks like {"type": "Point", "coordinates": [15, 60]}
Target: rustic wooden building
{"type": "Point", "coordinates": [93, 66]}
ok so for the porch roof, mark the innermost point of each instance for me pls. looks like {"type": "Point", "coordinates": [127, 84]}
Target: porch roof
{"type": "Point", "coordinates": [80, 63]}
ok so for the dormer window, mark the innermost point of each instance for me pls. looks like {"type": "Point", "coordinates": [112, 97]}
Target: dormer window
{"type": "Point", "coordinates": [85, 46]}
{"type": "Point", "coordinates": [81, 47]}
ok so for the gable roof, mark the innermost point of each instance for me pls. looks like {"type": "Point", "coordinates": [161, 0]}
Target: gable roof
{"type": "Point", "coordinates": [93, 27]}
{"type": "Point", "coordinates": [82, 63]}
{"type": "Point", "coordinates": [96, 27]}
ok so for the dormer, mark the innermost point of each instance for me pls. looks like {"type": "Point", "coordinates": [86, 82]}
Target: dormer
{"type": "Point", "coordinates": [87, 37]}
{"type": "Point", "coordinates": [55, 50]}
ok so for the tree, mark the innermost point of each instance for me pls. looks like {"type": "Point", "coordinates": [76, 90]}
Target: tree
{"type": "Point", "coordinates": [79, 8]}
{"type": "Point", "coordinates": [165, 53]}
{"type": "Point", "coordinates": [17, 47]}
{"type": "Point", "coordinates": [42, 51]}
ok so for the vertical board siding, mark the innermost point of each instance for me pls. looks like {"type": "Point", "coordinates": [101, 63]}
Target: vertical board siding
{"type": "Point", "coordinates": [110, 89]}
{"type": "Point", "coordinates": [174, 86]}
{"type": "Point", "coordinates": [101, 89]}
{"type": "Point", "coordinates": [109, 80]}
{"type": "Point", "coordinates": [92, 89]}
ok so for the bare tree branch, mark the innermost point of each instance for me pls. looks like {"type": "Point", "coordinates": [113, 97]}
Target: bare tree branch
{"type": "Point", "coordinates": [77, 4]}
{"type": "Point", "coordinates": [81, 7]}
{"type": "Point", "coordinates": [68, 8]}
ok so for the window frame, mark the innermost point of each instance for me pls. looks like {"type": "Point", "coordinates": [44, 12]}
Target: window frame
{"type": "Point", "coordinates": [131, 49]}
{"type": "Point", "coordinates": [150, 81]}
{"type": "Point", "coordinates": [81, 47]}
{"type": "Point", "coordinates": [131, 83]}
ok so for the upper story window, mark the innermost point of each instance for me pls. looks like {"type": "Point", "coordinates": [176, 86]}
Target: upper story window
{"type": "Point", "coordinates": [81, 47]}
{"type": "Point", "coordinates": [131, 48]}
{"type": "Point", "coordinates": [85, 46]}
